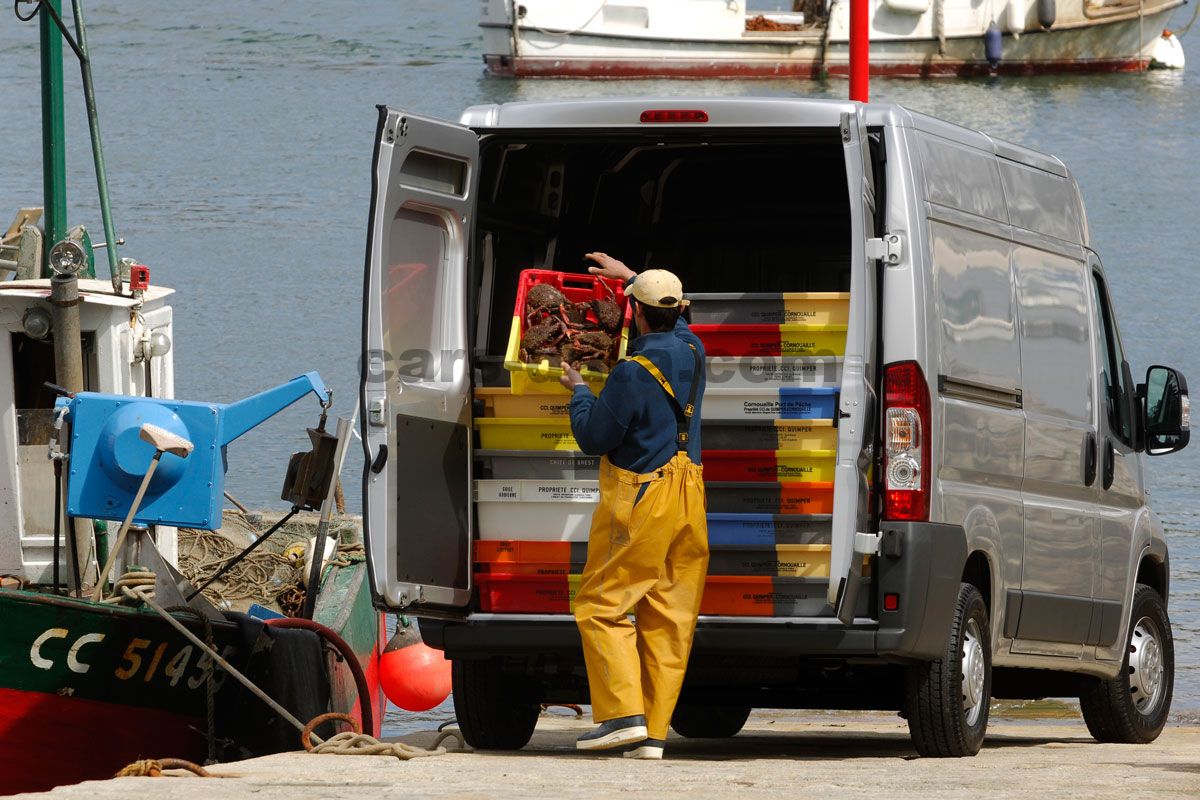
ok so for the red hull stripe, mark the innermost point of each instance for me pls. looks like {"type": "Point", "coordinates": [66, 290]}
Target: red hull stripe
{"type": "Point", "coordinates": [47, 740]}
{"type": "Point", "coordinates": [602, 68]}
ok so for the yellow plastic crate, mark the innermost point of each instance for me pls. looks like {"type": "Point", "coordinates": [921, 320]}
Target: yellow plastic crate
{"type": "Point", "coordinates": [814, 308]}
{"type": "Point", "coordinates": [808, 561]}
{"type": "Point", "coordinates": [505, 433]}
{"type": "Point", "coordinates": [811, 340]}
{"type": "Point", "coordinates": [541, 378]}
{"type": "Point", "coordinates": [501, 402]}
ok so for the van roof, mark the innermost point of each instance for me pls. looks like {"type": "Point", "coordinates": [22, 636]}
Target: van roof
{"type": "Point", "coordinates": [741, 112]}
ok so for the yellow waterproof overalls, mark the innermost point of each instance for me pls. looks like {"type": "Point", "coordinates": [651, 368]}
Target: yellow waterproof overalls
{"type": "Point", "coordinates": [647, 554]}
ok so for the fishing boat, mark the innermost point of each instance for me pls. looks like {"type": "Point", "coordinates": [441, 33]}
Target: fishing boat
{"type": "Point", "coordinates": [108, 653]}
{"type": "Point", "coordinates": [917, 38]}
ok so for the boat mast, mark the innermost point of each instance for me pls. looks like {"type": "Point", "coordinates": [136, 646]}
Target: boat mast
{"type": "Point", "coordinates": [54, 144]}
{"type": "Point", "coordinates": [89, 96]}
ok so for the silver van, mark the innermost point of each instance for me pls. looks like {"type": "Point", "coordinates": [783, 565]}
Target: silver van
{"type": "Point", "coordinates": [987, 534]}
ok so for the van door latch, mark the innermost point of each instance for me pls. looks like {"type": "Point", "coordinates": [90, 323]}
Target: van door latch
{"type": "Point", "coordinates": [888, 249]}
{"type": "Point", "coordinates": [375, 412]}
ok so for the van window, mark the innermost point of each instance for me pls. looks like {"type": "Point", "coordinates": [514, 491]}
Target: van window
{"type": "Point", "coordinates": [413, 306]}
{"type": "Point", "coordinates": [1056, 342]}
{"type": "Point", "coordinates": [1112, 375]}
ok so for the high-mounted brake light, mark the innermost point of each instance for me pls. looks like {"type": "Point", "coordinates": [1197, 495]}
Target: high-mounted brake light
{"type": "Point", "coordinates": [674, 115]}
{"type": "Point", "coordinates": [905, 440]}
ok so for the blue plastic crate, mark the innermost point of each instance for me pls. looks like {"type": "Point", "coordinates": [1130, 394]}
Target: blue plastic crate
{"type": "Point", "coordinates": [768, 529]}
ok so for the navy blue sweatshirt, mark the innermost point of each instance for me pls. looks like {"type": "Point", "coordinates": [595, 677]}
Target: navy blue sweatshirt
{"type": "Point", "coordinates": [633, 421]}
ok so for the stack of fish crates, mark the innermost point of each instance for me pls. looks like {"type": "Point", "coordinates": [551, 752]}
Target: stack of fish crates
{"type": "Point", "coordinates": [769, 451]}
{"type": "Point", "coordinates": [535, 491]}
{"type": "Point", "coordinates": [770, 447]}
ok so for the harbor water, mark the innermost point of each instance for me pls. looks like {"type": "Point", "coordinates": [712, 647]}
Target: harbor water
{"type": "Point", "coordinates": [238, 139]}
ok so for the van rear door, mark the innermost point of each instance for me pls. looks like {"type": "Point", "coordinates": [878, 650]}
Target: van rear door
{"type": "Point", "coordinates": [857, 405]}
{"type": "Point", "coordinates": [415, 378]}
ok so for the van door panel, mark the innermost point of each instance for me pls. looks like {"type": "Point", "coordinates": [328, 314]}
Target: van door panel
{"type": "Point", "coordinates": [1118, 503]}
{"type": "Point", "coordinates": [857, 401]}
{"type": "Point", "coordinates": [1061, 543]}
{"type": "Point", "coordinates": [415, 386]}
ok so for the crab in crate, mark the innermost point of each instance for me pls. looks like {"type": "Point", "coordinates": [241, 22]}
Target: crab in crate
{"type": "Point", "coordinates": [557, 330]}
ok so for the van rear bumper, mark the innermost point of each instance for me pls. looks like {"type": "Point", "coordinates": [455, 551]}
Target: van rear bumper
{"type": "Point", "coordinates": [922, 563]}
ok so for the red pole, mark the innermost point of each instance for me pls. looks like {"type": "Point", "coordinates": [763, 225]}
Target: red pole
{"type": "Point", "coordinates": [860, 49]}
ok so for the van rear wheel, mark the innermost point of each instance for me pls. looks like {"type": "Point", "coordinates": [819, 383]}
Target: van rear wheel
{"type": "Point", "coordinates": [1132, 708]}
{"type": "Point", "coordinates": [709, 722]}
{"type": "Point", "coordinates": [947, 700]}
{"type": "Point", "coordinates": [495, 711]}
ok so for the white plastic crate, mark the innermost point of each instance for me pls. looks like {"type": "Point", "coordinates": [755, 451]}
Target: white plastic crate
{"type": "Point", "coordinates": [532, 510]}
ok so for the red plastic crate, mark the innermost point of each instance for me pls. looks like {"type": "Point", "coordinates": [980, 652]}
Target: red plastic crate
{"type": "Point", "coordinates": [541, 378]}
{"type": "Point", "coordinates": [528, 594]}
{"type": "Point", "coordinates": [576, 286]}
{"type": "Point", "coordinates": [768, 465]}
{"type": "Point", "coordinates": [772, 340]}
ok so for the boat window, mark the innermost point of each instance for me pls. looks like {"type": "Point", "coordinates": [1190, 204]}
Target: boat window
{"type": "Point", "coordinates": [32, 368]}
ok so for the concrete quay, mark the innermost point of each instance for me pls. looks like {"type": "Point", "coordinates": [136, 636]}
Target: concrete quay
{"type": "Point", "coordinates": [778, 755]}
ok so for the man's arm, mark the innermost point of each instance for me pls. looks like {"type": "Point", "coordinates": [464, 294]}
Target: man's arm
{"type": "Point", "coordinates": [609, 267]}
{"type": "Point", "coordinates": [599, 423]}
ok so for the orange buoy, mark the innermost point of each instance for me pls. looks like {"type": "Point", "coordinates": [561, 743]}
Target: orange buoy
{"type": "Point", "coordinates": [414, 676]}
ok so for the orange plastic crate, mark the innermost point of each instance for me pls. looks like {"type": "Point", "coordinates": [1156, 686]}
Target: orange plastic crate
{"type": "Point", "coordinates": [501, 551]}
{"type": "Point", "coordinates": [738, 596]}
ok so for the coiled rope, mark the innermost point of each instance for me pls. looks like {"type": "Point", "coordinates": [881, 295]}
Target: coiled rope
{"type": "Point", "coordinates": [153, 768]}
{"type": "Point", "coordinates": [357, 743]}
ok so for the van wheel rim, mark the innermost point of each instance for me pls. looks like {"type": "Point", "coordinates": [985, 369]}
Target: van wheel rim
{"type": "Point", "coordinates": [1146, 668]}
{"type": "Point", "coordinates": [974, 673]}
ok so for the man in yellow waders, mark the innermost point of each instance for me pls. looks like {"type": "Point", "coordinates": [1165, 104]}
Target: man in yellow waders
{"type": "Point", "coordinates": [648, 547]}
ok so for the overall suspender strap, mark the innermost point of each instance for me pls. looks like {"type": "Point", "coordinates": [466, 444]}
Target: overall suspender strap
{"type": "Point", "coordinates": [683, 413]}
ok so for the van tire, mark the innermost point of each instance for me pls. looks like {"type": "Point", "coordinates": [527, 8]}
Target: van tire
{"type": "Point", "coordinates": [934, 696]}
{"type": "Point", "coordinates": [493, 711]}
{"type": "Point", "coordinates": [1111, 707]}
{"type": "Point", "coordinates": [709, 722]}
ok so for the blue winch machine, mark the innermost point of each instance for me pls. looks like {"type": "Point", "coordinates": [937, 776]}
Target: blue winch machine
{"type": "Point", "coordinates": [116, 440]}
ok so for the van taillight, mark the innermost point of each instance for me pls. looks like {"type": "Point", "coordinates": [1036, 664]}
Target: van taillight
{"type": "Point", "coordinates": [674, 115]}
{"type": "Point", "coordinates": [905, 442]}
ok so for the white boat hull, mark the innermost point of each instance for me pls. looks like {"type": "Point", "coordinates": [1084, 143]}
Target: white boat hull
{"type": "Point", "coordinates": [1085, 37]}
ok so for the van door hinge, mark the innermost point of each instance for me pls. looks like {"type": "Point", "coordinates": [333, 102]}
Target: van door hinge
{"type": "Point", "coordinates": [867, 543]}
{"type": "Point", "coordinates": [888, 249]}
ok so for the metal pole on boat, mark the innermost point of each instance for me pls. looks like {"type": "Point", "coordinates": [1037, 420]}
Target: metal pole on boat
{"type": "Point", "coordinates": [163, 441]}
{"type": "Point", "coordinates": [54, 144]}
{"type": "Point", "coordinates": [860, 49]}
{"type": "Point", "coordinates": [318, 553]}
{"type": "Point", "coordinates": [89, 96]}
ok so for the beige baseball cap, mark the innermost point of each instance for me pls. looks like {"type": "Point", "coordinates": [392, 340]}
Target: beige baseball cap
{"type": "Point", "coordinates": [658, 288]}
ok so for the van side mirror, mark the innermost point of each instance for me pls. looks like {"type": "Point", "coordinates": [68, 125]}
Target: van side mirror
{"type": "Point", "coordinates": [1166, 412]}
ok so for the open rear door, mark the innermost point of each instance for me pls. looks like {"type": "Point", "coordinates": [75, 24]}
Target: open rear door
{"type": "Point", "coordinates": [415, 379]}
{"type": "Point", "coordinates": [857, 406]}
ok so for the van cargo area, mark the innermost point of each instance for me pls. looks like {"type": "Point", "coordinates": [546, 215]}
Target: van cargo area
{"type": "Point", "coordinates": [768, 214]}
{"type": "Point", "coordinates": [758, 228]}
